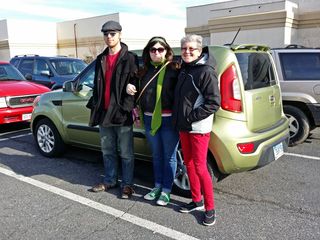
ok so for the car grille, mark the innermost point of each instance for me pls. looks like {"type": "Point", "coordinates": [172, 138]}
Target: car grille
{"type": "Point", "coordinates": [21, 101]}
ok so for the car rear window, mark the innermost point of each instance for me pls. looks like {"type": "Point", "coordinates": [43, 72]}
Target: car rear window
{"type": "Point", "coordinates": [256, 69]}
{"type": "Point", "coordinates": [300, 66]}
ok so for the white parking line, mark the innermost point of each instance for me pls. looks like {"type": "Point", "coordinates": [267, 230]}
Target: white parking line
{"type": "Point", "coordinates": [15, 131]}
{"type": "Point", "coordinates": [13, 137]}
{"type": "Point", "coordinates": [154, 227]}
{"type": "Point", "coordinates": [302, 156]}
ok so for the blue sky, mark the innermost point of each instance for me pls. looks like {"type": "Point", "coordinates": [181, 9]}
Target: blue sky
{"type": "Point", "coordinates": [63, 10]}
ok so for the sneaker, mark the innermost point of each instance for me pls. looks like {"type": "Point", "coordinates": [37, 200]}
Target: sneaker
{"type": "Point", "coordinates": [127, 192]}
{"type": "Point", "coordinates": [209, 218]}
{"type": "Point", "coordinates": [164, 199]}
{"type": "Point", "coordinates": [155, 193]}
{"type": "Point", "coordinates": [192, 206]}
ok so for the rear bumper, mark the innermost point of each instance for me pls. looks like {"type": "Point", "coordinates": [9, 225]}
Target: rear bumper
{"type": "Point", "coordinates": [267, 155]}
{"type": "Point", "coordinates": [225, 137]}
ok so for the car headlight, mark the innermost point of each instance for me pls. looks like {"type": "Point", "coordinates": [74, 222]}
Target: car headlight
{"type": "Point", "coordinates": [3, 103]}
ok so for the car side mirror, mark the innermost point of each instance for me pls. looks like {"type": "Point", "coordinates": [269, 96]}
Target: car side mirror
{"type": "Point", "coordinates": [28, 76]}
{"type": "Point", "coordinates": [46, 73]}
{"type": "Point", "coordinates": [68, 86]}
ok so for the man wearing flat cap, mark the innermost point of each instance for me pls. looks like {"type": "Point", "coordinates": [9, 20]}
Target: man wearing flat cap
{"type": "Point", "coordinates": [111, 109]}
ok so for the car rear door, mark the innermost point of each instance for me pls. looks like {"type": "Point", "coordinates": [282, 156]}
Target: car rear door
{"type": "Point", "coordinates": [262, 95]}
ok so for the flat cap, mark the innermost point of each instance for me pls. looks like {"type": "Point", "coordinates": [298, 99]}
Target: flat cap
{"type": "Point", "coordinates": [111, 26]}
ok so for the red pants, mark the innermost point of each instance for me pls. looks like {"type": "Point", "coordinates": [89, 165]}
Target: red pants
{"type": "Point", "coordinates": [194, 149]}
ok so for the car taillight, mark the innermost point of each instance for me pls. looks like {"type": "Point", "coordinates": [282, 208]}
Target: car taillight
{"type": "Point", "coordinates": [230, 90]}
{"type": "Point", "coordinates": [245, 147]}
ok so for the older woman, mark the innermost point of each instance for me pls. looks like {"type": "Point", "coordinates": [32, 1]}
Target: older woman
{"type": "Point", "coordinates": [197, 98]}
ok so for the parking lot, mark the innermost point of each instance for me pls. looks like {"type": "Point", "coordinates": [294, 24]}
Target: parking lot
{"type": "Point", "coordinates": [47, 198]}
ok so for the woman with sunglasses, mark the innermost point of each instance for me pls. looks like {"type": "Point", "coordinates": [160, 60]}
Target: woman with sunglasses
{"type": "Point", "coordinates": [156, 104]}
{"type": "Point", "coordinates": [197, 98]}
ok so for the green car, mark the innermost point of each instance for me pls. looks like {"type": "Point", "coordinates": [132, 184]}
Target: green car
{"type": "Point", "coordinates": [249, 131]}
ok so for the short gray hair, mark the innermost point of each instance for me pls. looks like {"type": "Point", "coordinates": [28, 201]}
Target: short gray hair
{"type": "Point", "coordinates": [192, 38]}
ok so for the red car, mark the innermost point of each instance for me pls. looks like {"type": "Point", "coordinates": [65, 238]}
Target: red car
{"type": "Point", "coordinates": [16, 95]}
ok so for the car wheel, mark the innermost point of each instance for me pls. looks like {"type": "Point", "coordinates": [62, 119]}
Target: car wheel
{"type": "Point", "coordinates": [181, 183]}
{"type": "Point", "coordinates": [48, 139]}
{"type": "Point", "coordinates": [299, 126]}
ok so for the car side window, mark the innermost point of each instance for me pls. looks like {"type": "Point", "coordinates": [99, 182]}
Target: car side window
{"type": "Point", "coordinates": [256, 69]}
{"type": "Point", "coordinates": [40, 65]}
{"type": "Point", "coordinates": [26, 66]}
{"type": "Point", "coordinates": [300, 66]}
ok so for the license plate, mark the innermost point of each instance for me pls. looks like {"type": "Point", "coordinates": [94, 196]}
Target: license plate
{"type": "Point", "coordinates": [26, 116]}
{"type": "Point", "coordinates": [278, 150]}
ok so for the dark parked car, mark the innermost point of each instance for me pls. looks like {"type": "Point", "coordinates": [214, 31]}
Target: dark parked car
{"type": "Point", "coordinates": [49, 71]}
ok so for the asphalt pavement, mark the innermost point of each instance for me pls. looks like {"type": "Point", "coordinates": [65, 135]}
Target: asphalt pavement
{"type": "Point", "coordinates": [48, 198]}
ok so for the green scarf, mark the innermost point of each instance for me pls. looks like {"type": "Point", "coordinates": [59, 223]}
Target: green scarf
{"type": "Point", "coordinates": [156, 116]}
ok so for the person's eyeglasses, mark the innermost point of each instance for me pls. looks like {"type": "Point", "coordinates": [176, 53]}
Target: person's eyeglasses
{"type": "Point", "coordinates": [154, 50]}
{"type": "Point", "coordinates": [112, 34]}
{"type": "Point", "coordinates": [184, 49]}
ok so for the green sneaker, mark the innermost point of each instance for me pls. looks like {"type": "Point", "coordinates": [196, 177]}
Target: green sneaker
{"type": "Point", "coordinates": [155, 193]}
{"type": "Point", "coordinates": [164, 199]}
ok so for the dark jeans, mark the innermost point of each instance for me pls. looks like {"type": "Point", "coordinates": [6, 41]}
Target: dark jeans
{"type": "Point", "coordinates": [164, 146]}
{"type": "Point", "coordinates": [117, 142]}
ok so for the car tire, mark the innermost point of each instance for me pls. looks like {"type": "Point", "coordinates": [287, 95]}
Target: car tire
{"type": "Point", "coordinates": [49, 141]}
{"type": "Point", "coordinates": [299, 126]}
{"type": "Point", "coordinates": [181, 183]}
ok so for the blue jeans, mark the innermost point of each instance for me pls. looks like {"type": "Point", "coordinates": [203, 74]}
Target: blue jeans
{"type": "Point", "coordinates": [117, 142]}
{"type": "Point", "coordinates": [164, 146]}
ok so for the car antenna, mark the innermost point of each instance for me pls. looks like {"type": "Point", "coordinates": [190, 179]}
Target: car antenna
{"type": "Point", "coordinates": [229, 44]}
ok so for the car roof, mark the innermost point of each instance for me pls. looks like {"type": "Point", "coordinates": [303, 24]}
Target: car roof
{"type": "Point", "coordinates": [47, 57]}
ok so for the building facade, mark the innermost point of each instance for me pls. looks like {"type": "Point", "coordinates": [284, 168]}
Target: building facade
{"type": "Point", "coordinates": [276, 23]}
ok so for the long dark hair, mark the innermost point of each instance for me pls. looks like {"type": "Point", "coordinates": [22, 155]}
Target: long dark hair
{"type": "Point", "coordinates": [146, 59]}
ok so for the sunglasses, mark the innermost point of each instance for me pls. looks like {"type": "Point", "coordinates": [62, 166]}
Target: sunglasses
{"type": "Point", "coordinates": [184, 49]}
{"type": "Point", "coordinates": [154, 50]}
{"type": "Point", "coordinates": [112, 34]}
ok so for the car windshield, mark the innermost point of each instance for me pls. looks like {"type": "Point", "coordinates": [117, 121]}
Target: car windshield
{"type": "Point", "coordinates": [9, 72]}
{"type": "Point", "coordinates": [68, 66]}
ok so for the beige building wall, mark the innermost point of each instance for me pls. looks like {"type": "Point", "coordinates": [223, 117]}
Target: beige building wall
{"type": "Point", "coordinates": [275, 23]}
{"type": "Point", "coordinates": [83, 38]}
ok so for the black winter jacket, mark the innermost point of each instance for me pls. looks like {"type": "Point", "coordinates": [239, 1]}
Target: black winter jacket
{"type": "Point", "coordinates": [197, 95]}
{"type": "Point", "coordinates": [148, 97]}
{"type": "Point", "coordinates": [121, 104]}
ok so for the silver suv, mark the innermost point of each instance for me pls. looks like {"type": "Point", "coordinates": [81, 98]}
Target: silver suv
{"type": "Point", "coordinates": [299, 74]}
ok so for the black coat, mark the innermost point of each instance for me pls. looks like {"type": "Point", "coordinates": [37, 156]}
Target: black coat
{"type": "Point", "coordinates": [121, 103]}
{"type": "Point", "coordinates": [148, 97]}
{"type": "Point", "coordinates": [197, 95]}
